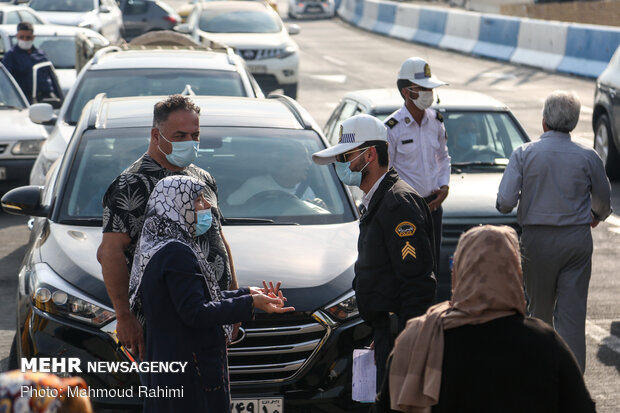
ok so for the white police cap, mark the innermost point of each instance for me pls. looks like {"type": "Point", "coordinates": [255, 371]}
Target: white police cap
{"type": "Point", "coordinates": [353, 132]}
{"type": "Point", "coordinates": [417, 70]}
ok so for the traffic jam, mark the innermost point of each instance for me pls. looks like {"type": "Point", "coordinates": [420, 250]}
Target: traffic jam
{"type": "Point", "coordinates": [256, 206]}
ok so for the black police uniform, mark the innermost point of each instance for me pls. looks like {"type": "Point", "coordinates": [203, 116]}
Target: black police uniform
{"type": "Point", "coordinates": [394, 269]}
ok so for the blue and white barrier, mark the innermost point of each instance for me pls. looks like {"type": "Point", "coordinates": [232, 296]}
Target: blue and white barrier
{"type": "Point", "coordinates": [573, 48]}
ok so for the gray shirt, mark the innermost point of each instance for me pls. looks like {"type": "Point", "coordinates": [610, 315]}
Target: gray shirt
{"type": "Point", "coordinates": [556, 181]}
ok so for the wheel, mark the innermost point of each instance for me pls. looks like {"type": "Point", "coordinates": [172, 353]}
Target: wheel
{"type": "Point", "coordinates": [290, 90]}
{"type": "Point", "coordinates": [606, 148]}
{"type": "Point", "coordinates": [13, 364]}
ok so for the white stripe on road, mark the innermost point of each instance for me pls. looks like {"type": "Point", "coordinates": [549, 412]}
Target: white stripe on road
{"type": "Point", "coordinates": [587, 110]}
{"type": "Point", "coordinates": [615, 222]}
{"type": "Point", "coordinates": [334, 60]}
{"type": "Point", "coordinates": [331, 78]}
{"type": "Point", "coordinates": [602, 336]}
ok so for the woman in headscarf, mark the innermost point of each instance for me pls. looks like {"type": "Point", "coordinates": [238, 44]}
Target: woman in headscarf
{"type": "Point", "coordinates": [479, 352]}
{"type": "Point", "coordinates": [174, 292]}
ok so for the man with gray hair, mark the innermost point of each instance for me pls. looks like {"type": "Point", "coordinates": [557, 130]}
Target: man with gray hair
{"type": "Point", "coordinates": [562, 191]}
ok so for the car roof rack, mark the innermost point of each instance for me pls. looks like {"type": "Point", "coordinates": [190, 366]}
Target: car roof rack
{"type": "Point", "coordinates": [302, 116]}
{"type": "Point", "coordinates": [94, 116]}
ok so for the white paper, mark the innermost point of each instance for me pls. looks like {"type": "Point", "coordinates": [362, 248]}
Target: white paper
{"type": "Point", "coordinates": [364, 376]}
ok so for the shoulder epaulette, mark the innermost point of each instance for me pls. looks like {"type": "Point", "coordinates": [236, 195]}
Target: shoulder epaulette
{"type": "Point", "coordinates": [439, 116]}
{"type": "Point", "coordinates": [391, 122]}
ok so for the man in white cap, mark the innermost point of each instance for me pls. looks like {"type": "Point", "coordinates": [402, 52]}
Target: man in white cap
{"type": "Point", "coordinates": [394, 269]}
{"type": "Point", "coordinates": [417, 139]}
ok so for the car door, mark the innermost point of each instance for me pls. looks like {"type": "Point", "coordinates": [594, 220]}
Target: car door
{"type": "Point", "coordinates": [135, 19]}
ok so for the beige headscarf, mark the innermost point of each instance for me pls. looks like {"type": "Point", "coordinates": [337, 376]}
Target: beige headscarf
{"type": "Point", "coordinates": [487, 283]}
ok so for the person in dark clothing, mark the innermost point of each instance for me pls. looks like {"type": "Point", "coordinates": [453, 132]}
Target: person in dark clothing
{"type": "Point", "coordinates": [479, 353]}
{"type": "Point", "coordinates": [20, 59]}
{"type": "Point", "coordinates": [394, 269]}
{"type": "Point", "coordinates": [187, 317]}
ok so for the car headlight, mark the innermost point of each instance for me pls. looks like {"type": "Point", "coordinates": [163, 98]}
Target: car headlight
{"type": "Point", "coordinates": [31, 147]}
{"type": "Point", "coordinates": [344, 308]}
{"type": "Point", "coordinates": [53, 295]}
{"type": "Point", "coordinates": [287, 51]}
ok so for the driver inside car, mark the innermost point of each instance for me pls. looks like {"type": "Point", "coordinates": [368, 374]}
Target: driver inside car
{"type": "Point", "coordinates": [288, 173]}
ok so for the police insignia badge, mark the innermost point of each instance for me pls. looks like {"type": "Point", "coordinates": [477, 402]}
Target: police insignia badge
{"type": "Point", "coordinates": [408, 250]}
{"type": "Point", "coordinates": [427, 70]}
{"type": "Point", "coordinates": [391, 122]}
{"type": "Point", "coordinates": [407, 120]}
{"type": "Point", "coordinates": [340, 135]}
{"type": "Point", "coordinates": [439, 116]}
{"type": "Point", "coordinates": [405, 229]}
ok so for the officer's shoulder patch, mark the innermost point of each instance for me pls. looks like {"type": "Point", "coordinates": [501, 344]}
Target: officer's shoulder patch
{"type": "Point", "coordinates": [405, 229]}
{"type": "Point", "coordinates": [391, 122]}
{"type": "Point", "coordinates": [439, 116]}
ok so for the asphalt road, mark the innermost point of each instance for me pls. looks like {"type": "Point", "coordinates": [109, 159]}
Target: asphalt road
{"type": "Point", "coordinates": [337, 58]}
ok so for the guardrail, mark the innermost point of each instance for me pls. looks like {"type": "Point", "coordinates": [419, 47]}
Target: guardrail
{"type": "Point", "coordinates": [573, 48]}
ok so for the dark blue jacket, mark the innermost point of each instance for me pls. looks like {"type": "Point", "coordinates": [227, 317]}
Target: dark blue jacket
{"type": "Point", "coordinates": [19, 63]}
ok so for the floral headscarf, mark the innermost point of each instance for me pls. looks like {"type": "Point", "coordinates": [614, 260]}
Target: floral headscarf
{"type": "Point", "coordinates": [170, 217]}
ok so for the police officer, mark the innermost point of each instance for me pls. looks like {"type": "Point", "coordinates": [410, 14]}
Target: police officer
{"type": "Point", "coordinates": [394, 269]}
{"type": "Point", "coordinates": [417, 139]}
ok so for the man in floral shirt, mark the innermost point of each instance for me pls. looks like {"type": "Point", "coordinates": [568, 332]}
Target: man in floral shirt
{"type": "Point", "coordinates": [172, 149]}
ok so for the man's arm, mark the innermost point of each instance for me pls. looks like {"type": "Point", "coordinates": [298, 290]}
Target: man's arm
{"type": "Point", "coordinates": [9, 62]}
{"type": "Point", "coordinates": [234, 285]}
{"type": "Point", "coordinates": [510, 187]}
{"type": "Point", "coordinates": [601, 190]}
{"type": "Point", "coordinates": [111, 256]}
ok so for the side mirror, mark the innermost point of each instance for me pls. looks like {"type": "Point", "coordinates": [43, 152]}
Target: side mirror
{"type": "Point", "coordinates": [182, 28]}
{"type": "Point", "coordinates": [42, 113]}
{"type": "Point", "coordinates": [25, 200]}
{"type": "Point", "coordinates": [294, 29]}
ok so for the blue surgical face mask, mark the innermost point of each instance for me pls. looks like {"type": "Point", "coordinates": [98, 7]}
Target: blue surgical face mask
{"type": "Point", "coordinates": [348, 177]}
{"type": "Point", "coordinates": [467, 140]}
{"type": "Point", "coordinates": [183, 153]}
{"type": "Point", "coordinates": [204, 218]}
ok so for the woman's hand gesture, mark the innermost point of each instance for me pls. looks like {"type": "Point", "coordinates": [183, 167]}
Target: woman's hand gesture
{"type": "Point", "coordinates": [271, 303]}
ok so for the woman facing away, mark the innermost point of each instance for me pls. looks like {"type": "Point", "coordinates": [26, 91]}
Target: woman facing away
{"type": "Point", "coordinates": [479, 352]}
{"type": "Point", "coordinates": [174, 290]}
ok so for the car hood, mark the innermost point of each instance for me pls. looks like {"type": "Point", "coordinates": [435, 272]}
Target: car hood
{"type": "Point", "coordinates": [472, 195]}
{"type": "Point", "coordinates": [314, 262]}
{"type": "Point", "coordinates": [249, 41]}
{"type": "Point", "coordinates": [21, 126]}
{"type": "Point", "coordinates": [65, 18]}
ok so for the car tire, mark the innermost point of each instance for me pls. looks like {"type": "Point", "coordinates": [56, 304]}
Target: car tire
{"type": "Point", "coordinates": [290, 90]}
{"type": "Point", "coordinates": [606, 148]}
{"type": "Point", "coordinates": [13, 363]}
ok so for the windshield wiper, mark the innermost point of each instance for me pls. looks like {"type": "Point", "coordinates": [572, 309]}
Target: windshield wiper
{"type": "Point", "coordinates": [254, 221]}
{"type": "Point", "coordinates": [82, 221]}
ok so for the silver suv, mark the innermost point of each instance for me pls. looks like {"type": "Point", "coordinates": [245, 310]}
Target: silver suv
{"type": "Point", "coordinates": [140, 72]}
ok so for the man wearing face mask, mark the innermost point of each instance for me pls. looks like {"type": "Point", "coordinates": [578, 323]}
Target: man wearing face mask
{"type": "Point", "coordinates": [173, 147]}
{"type": "Point", "coordinates": [394, 269]}
{"type": "Point", "coordinates": [20, 59]}
{"type": "Point", "coordinates": [417, 140]}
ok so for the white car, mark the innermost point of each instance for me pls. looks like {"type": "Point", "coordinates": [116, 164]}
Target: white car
{"type": "Point", "coordinates": [58, 43]}
{"type": "Point", "coordinates": [19, 143]}
{"type": "Point", "coordinates": [12, 14]}
{"type": "Point", "coordinates": [122, 73]}
{"type": "Point", "coordinates": [311, 8]}
{"type": "Point", "coordinates": [102, 16]}
{"type": "Point", "coordinates": [257, 33]}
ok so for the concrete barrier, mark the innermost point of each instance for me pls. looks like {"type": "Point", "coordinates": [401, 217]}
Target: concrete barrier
{"type": "Point", "coordinates": [462, 30]}
{"type": "Point", "coordinates": [386, 17]}
{"type": "Point", "coordinates": [498, 37]}
{"type": "Point", "coordinates": [346, 11]}
{"type": "Point", "coordinates": [541, 44]}
{"type": "Point", "coordinates": [431, 26]}
{"type": "Point", "coordinates": [370, 15]}
{"type": "Point", "coordinates": [588, 49]}
{"type": "Point", "coordinates": [406, 22]}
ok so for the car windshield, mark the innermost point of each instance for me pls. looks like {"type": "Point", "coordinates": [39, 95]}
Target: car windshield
{"type": "Point", "coordinates": [63, 5]}
{"type": "Point", "coordinates": [9, 96]}
{"type": "Point", "coordinates": [59, 49]}
{"type": "Point", "coordinates": [242, 21]}
{"type": "Point", "coordinates": [151, 82]}
{"type": "Point", "coordinates": [264, 176]}
{"type": "Point", "coordinates": [484, 138]}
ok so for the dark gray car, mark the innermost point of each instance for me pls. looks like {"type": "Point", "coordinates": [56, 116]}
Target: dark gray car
{"type": "Point", "coordinates": [141, 16]}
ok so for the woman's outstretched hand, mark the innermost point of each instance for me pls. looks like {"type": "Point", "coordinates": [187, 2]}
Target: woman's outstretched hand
{"type": "Point", "coordinates": [271, 303]}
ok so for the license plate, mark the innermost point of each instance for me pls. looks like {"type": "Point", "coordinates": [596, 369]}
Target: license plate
{"type": "Point", "coordinates": [314, 9]}
{"type": "Point", "coordinates": [2, 173]}
{"type": "Point", "coordinates": [258, 69]}
{"type": "Point", "coordinates": [274, 405]}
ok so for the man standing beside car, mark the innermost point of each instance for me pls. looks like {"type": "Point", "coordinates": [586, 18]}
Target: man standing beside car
{"type": "Point", "coordinates": [394, 269]}
{"type": "Point", "coordinates": [418, 141]}
{"type": "Point", "coordinates": [20, 60]}
{"type": "Point", "coordinates": [172, 148]}
{"type": "Point", "coordinates": [562, 191]}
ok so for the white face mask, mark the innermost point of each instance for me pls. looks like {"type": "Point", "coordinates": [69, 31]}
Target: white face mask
{"type": "Point", "coordinates": [24, 44]}
{"type": "Point", "coordinates": [424, 100]}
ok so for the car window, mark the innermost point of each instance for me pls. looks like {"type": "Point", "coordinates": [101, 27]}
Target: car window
{"type": "Point", "coordinates": [484, 137]}
{"type": "Point", "coordinates": [150, 82]}
{"type": "Point", "coordinates": [62, 5]}
{"type": "Point", "coordinates": [133, 7]}
{"type": "Point", "coordinates": [12, 18]}
{"type": "Point", "coordinates": [242, 160]}
{"type": "Point", "coordinates": [243, 21]}
{"type": "Point", "coordinates": [27, 16]}
{"type": "Point", "coordinates": [9, 96]}
{"type": "Point", "coordinates": [59, 49]}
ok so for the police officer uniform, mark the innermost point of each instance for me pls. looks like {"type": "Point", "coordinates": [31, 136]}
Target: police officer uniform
{"type": "Point", "coordinates": [419, 152]}
{"type": "Point", "coordinates": [394, 269]}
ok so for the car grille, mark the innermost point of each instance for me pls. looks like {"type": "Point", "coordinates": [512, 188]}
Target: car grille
{"type": "Point", "coordinates": [452, 231]}
{"type": "Point", "coordinates": [3, 148]}
{"type": "Point", "coordinates": [274, 348]}
{"type": "Point", "coordinates": [259, 54]}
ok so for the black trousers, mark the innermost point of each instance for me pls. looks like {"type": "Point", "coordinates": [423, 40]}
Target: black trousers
{"type": "Point", "coordinates": [384, 342]}
{"type": "Point", "coordinates": [437, 216]}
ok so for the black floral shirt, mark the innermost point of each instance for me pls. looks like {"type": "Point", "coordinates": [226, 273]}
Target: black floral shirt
{"type": "Point", "coordinates": [124, 209]}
